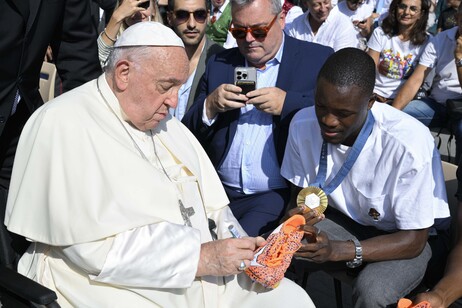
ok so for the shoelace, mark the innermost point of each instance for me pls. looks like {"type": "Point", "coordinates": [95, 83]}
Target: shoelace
{"type": "Point", "coordinates": [279, 247]}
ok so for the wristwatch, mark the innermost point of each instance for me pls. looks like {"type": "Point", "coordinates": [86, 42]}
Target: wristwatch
{"type": "Point", "coordinates": [358, 260]}
{"type": "Point", "coordinates": [458, 62]}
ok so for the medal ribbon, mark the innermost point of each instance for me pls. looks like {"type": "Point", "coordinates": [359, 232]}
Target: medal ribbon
{"type": "Point", "coordinates": [349, 162]}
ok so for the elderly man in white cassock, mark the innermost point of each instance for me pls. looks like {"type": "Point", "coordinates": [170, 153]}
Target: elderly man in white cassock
{"type": "Point", "coordinates": [116, 196]}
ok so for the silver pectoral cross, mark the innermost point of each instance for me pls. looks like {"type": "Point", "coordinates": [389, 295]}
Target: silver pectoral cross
{"type": "Point", "coordinates": [186, 212]}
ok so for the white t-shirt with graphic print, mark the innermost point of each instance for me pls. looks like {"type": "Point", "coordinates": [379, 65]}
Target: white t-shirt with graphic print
{"type": "Point", "coordinates": [396, 62]}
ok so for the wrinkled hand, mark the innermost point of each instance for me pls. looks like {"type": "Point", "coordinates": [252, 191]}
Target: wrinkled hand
{"type": "Point", "coordinates": [269, 100]}
{"type": "Point", "coordinates": [435, 300]}
{"type": "Point", "coordinates": [225, 97]}
{"type": "Point", "coordinates": [128, 8]}
{"type": "Point", "coordinates": [223, 257]}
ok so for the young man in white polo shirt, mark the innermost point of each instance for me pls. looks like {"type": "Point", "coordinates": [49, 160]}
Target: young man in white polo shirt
{"type": "Point", "coordinates": [381, 174]}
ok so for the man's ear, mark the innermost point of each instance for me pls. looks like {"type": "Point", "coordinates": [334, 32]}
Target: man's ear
{"type": "Point", "coordinates": [282, 19]}
{"type": "Point", "coordinates": [122, 75]}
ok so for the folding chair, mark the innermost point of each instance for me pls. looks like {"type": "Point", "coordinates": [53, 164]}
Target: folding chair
{"type": "Point", "coordinates": [47, 81]}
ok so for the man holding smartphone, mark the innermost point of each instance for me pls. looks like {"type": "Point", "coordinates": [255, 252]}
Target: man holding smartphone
{"type": "Point", "coordinates": [245, 134]}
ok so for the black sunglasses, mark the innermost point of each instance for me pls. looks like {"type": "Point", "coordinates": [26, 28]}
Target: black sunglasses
{"type": "Point", "coordinates": [182, 16]}
{"type": "Point", "coordinates": [257, 32]}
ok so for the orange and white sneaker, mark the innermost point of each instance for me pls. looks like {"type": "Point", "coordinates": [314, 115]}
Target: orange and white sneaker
{"type": "Point", "coordinates": [407, 303]}
{"type": "Point", "coordinates": [272, 260]}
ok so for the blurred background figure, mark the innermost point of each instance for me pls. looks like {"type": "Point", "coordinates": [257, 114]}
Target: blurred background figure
{"type": "Point", "coordinates": [188, 18]}
{"type": "Point", "coordinates": [442, 56]}
{"type": "Point", "coordinates": [291, 10]}
{"type": "Point", "coordinates": [101, 12]}
{"type": "Point", "coordinates": [126, 13]}
{"type": "Point", "coordinates": [360, 13]}
{"type": "Point", "coordinates": [324, 25]}
{"type": "Point", "coordinates": [396, 46]}
{"type": "Point", "coordinates": [27, 28]}
{"type": "Point", "coordinates": [220, 20]}
{"type": "Point", "coordinates": [447, 18]}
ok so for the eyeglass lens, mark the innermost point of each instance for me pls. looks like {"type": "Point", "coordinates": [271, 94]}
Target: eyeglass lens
{"type": "Point", "coordinates": [404, 7]}
{"type": "Point", "coordinates": [183, 16]}
{"type": "Point", "coordinates": [257, 32]}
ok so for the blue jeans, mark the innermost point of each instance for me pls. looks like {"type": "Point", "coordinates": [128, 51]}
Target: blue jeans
{"type": "Point", "coordinates": [433, 114]}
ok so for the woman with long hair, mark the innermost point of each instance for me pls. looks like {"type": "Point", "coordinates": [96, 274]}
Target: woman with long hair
{"type": "Point", "coordinates": [396, 45]}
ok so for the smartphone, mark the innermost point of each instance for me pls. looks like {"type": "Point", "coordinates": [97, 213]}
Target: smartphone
{"type": "Point", "coordinates": [245, 78]}
{"type": "Point", "coordinates": [144, 5]}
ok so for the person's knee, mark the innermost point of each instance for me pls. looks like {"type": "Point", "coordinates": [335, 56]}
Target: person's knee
{"type": "Point", "coordinates": [373, 292]}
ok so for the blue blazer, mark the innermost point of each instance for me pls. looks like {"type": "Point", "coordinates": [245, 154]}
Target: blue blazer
{"type": "Point", "coordinates": [300, 64]}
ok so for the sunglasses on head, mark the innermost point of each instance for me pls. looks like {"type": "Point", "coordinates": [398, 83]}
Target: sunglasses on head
{"type": "Point", "coordinates": [183, 16]}
{"type": "Point", "coordinates": [257, 32]}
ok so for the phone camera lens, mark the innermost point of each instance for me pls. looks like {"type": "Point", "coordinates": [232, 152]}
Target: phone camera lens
{"type": "Point", "coordinates": [239, 73]}
{"type": "Point", "coordinates": [244, 76]}
{"type": "Point", "coordinates": [239, 77]}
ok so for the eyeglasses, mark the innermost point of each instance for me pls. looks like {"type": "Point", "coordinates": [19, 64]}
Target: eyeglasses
{"type": "Point", "coordinates": [182, 16]}
{"type": "Point", "coordinates": [412, 8]}
{"type": "Point", "coordinates": [257, 32]}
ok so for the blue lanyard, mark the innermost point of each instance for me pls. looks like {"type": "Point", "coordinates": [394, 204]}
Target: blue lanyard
{"type": "Point", "coordinates": [349, 162]}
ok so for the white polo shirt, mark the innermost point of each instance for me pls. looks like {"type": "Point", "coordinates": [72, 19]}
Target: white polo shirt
{"type": "Point", "coordinates": [394, 173]}
{"type": "Point", "coordinates": [337, 31]}
{"type": "Point", "coordinates": [439, 54]}
{"type": "Point", "coordinates": [364, 10]}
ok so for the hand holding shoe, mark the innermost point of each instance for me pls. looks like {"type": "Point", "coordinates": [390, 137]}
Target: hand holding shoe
{"type": "Point", "coordinates": [224, 257]}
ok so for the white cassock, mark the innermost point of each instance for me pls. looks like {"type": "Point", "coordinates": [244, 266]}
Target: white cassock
{"type": "Point", "coordinates": [105, 222]}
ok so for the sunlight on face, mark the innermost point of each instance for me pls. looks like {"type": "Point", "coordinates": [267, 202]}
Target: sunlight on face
{"type": "Point", "coordinates": [153, 86]}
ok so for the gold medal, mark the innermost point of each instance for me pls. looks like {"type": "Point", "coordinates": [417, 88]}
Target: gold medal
{"type": "Point", "coordinates": [312, 198]}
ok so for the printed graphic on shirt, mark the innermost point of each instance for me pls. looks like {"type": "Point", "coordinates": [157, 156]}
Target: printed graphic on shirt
{"type": "Point", "coordinates": [394, 65]}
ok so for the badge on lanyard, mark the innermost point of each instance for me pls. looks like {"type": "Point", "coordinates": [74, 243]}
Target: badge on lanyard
{"type": "Point", "coordinates": [374, 214]}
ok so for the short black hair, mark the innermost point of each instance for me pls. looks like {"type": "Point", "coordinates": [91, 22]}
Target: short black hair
{"type": "Point", "coordinates": [171, 5]}
{"type": "Point", "coordinates": [350, 67]}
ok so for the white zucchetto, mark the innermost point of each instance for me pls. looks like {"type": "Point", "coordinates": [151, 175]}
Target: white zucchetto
{"type": "Point", "coordinates": [148, 33]}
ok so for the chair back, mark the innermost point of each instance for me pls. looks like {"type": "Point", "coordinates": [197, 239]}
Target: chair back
{"type": "Point", "coordinates": [450, 178]}
{"type": "Point", "coordinates": [47, 81]}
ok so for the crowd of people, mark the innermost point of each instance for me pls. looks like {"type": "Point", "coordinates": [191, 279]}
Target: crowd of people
{"type": "Point", "coordinates": [127, 184]}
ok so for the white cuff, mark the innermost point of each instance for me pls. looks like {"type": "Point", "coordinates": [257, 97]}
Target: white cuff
{"type": "Point", "coordinates": [205, 119]}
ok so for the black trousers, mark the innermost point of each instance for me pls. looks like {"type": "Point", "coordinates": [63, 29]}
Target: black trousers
{"type": "Point", "coordinates": [11, 245]}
